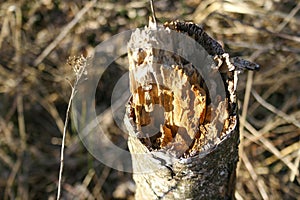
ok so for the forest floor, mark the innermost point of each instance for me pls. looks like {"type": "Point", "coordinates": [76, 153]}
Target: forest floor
{"type": "Point", "coordinates": [37, 38]}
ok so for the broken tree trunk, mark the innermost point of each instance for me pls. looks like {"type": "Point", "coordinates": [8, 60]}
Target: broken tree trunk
{"type": "Point", "coordinates": [183, 134]}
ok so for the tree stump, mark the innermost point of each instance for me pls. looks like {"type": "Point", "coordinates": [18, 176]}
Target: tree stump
{"type": "Point", "coordinates": [183, 122]}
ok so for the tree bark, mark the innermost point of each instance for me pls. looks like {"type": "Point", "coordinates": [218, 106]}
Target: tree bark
{"type": "Point", "coordinates": [184, 144]}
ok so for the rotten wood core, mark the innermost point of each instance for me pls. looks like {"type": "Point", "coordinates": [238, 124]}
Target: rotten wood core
{"type": "Point", "coordinates": [176, 112]}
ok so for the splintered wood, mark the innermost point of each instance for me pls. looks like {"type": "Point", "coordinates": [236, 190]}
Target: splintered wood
{"type": "Point", "coordinates": [170, 104]}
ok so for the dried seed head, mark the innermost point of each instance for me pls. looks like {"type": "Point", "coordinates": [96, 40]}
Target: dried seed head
{"type": "Point", "coordinates": [78, 64]}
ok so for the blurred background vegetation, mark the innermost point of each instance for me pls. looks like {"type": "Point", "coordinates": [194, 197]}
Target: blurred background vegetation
{"type": "Point", "coordinates": [38, 36]}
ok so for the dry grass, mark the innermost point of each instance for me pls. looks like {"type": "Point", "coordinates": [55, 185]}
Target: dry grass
{"type": "Point", "coordinates": [37, 37]}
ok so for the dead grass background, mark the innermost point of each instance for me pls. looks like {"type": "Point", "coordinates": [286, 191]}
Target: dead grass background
{"type": "Point", "coordinates": [37, 37]}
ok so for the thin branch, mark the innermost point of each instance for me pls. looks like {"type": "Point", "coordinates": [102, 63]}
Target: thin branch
{"type": "Point", "coordinates": [63, 145]}
{"type": "Point", "coordinates": [297, 162]}
{"type": "Point", "coordinates": [153, 11]}
{"type": "Point", "coordinates": [260, 184]}
{"type": "Point", "coordinates": [268, 145]}
{"type": "Point", "coordinates": [12, 177]}
{"type": "Point", "coordinates": [79, 67]}
{"type": "Point", "coordinates": [289, 119]}
{"type": "Point", "coordinates": [63, 33]}
{"type": "Point", "coordinates": [244, 114]}
{"type": "Point", "coordinates": [288, 18]}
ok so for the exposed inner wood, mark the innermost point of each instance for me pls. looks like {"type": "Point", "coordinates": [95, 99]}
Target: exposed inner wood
{"type": "Point", "coordinates": [170, 103]}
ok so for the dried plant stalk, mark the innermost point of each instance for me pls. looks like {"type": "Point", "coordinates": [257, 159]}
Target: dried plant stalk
{"type": "Point", "coordinates": [190, 143]}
